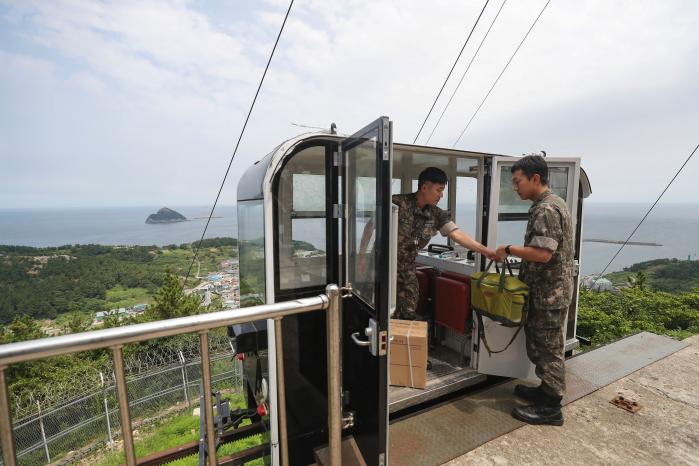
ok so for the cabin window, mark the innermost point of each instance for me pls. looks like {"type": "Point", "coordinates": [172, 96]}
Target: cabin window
{"type": "Point", "coordinates": [362, 219]}
{"type": "Point", "coordinates": [395, 186]}
{"type": "Point", "coordinates": [558, 181]}
{"type": "Point", "coordinates": [301, 220]}
{"type": "Point", "coordinates": [466, 198]}
{"type": "Point", "coordinates": [251, 250]}
{"type": "Point", "coordinates": [510, 203]}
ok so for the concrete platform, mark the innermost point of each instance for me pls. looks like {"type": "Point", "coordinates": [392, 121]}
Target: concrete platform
{"type": "Point", "coordinates": [665, 430]}
{"type": "Point", "coordinates": [448, 431]}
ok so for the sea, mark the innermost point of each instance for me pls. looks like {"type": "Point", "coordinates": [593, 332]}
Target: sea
{"type": "Point", "coordinates": [674, 226]}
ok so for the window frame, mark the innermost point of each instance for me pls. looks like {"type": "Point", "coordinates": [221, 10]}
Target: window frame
{"type": "Point", "coordinates": [283, 294]}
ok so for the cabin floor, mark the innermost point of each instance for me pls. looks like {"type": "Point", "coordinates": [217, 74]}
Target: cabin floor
{"type": "Point", "coordinates": [448, 374]}
{"type": "Point", "coordinates": [658, 371]}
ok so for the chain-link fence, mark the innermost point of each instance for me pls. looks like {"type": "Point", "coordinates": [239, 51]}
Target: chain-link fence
{"type": "Point", "coordinates": [72, 424]}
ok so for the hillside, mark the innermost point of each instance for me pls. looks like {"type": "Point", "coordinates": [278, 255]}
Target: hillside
{"type": "Point", "coordinates": [44, 283]}
{"type": "Point", "coordinates": [671, 275]}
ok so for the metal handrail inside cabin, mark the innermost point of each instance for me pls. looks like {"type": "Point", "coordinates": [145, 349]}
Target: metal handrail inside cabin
{"type": "Point", "coordinates": [116, 338]}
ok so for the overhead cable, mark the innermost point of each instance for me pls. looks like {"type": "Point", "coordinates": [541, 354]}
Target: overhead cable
{"type": "Point", "coordinates": [451, 70]}
{"type": "Point", "coordinates": [242, 131]}
{"type": "Point", "coordinates": [646, 215]}
{"type": "Point", "coordinates": [501, 73]}
{"type": "Point", "coordinates": [464, 75]}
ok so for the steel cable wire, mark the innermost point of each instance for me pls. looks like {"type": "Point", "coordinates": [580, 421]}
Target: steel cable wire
{"type": "Point", "coordinates": [451, 71]}
{"type": "Point", "coordinates": [646, 215]}
{"type": "Point", "coordinates": [500, 75]}
{"type": "Point", "coordinates": [242, 131]}
{"type": "Point", "coordinates": [465, 72]}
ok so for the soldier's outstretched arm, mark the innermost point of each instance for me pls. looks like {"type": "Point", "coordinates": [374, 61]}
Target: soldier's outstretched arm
{"type": "Point", "coordinates": [465, 240]}
{"type": "Point", "coordinates": [528, 253]}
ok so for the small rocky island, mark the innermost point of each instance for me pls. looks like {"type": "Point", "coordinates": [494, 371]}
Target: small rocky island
{"type": "Point", "coordinates": [166, 215]}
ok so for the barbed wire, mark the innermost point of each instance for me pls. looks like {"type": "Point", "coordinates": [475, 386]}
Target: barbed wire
{"type": "Point", "coordinates": [83, 381]}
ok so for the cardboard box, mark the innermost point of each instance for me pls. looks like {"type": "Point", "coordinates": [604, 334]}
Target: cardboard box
{"type": "Point", "coordinates": [408, 353]}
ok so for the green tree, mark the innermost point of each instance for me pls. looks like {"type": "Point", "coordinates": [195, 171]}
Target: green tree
{"type": "Point", "coordinates": [111, 319]}
{"type": "Point", "coordinates": [76, 322]}
{"type": "Point", "coordinates": [25, 328]}
{"type": "Point", "coordinates": [171, 301]}
{"type": "Point", "coordinates": [639, 281]}
{"type": "Point", "coordinates": [216, 304]}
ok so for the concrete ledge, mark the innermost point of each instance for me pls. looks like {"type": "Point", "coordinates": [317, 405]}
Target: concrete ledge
{"type": "Point", "coordinates": [664, 431]}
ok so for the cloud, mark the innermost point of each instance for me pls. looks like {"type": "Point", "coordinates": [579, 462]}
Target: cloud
{"type": "Point", "coordinates": [151, 95]}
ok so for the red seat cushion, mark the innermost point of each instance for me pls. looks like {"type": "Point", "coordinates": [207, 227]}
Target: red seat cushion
{"type": "Point", "coordinates": [423, 281]}
{"type": "Point", "coordinates": [458, 277]}
{"type": "Point", "coordinates": [453, 301]}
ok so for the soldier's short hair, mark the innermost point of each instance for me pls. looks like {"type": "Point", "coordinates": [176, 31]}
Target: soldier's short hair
{"type": "Point", "coordinates": [532, 165]}
{"type": "Point", "coordinates": [433, 175]}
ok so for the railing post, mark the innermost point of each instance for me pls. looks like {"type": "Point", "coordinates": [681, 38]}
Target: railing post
{"type": "Point", "coordinates": [43, 432]}
{"type": "Point", "coordinates": [6, 434]}
{"type": "Point", "coordinates": [183, 366]}
{"type": "Point", "coordinates": [106, 409]}
{"type": "Point", "coordinates": [281, 391]}
{"type": "Point", "coordinates": [334, 375]}
{"type": "Point", "coordinates": [124, 415]}
{"type": "Point", "coordinates": [208, 411]}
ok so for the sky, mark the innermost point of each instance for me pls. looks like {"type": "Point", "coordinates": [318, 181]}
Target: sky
{"type": "Point", "coordinates": [127, 103]}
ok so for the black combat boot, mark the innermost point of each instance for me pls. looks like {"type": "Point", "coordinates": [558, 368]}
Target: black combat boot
{"type": "Point", "coordinates": [547, 410]}
{"type": "Point", "coordinates": [529, 393]}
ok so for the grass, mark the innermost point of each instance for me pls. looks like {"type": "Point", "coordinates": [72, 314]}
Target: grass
{"type": "Point", "coordinates": [178, 260]}
{"type": "Point", "coordinates": [175, 431]}
{"type": "Point", "coordinates": [127, 297]}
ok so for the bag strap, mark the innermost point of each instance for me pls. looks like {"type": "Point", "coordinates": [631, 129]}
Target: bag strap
{"type": "Point", "coordinates": [501, 283]}
{"type": "Point", "coordinates": [481, 334]}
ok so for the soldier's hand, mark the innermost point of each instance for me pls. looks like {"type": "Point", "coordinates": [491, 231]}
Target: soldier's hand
{"type": "Point", "coordinates": [501, 253]}
{"type": "Point", "coordinates": [492, 255]}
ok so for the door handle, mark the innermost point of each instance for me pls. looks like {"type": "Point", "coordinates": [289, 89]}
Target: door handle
{"type": "Point", "coordinates": [376, 347]}
{"type": "Point", "coordinates": [358, 342]}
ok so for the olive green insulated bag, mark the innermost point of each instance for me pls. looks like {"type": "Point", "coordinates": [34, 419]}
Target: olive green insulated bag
{"type": "Point", "coordinates": [500, 297]}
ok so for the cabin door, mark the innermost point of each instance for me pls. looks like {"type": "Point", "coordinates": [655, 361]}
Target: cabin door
{"type": "Point", "coordinates": [366, 201]}
{"type": "Point", "coordinates": [507, 223]}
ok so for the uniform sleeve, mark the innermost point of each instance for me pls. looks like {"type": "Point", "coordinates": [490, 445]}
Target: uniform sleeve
{"type": "Point", "coordinates": [397, 199]}
{"type": "Point", "coordinates": [546, 231]}
{"type": "Point", "coordinates": [443, 222]}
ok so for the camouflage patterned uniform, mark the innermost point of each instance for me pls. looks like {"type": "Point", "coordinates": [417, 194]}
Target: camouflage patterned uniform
{"type": "Point", "coordinates": [550, 289]}
{"type": "Point", "coordinates": [415, 229]}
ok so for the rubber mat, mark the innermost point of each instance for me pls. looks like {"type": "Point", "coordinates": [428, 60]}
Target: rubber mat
{"type": "Point", "coordinates": [450, 430]}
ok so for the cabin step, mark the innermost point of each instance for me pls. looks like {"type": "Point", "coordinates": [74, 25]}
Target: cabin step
{"type": "Point", "coordinates": [351, 455]}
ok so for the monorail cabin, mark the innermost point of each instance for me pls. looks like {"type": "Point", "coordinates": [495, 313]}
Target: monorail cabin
{"type": "Point", "coordinates": [302, 212]}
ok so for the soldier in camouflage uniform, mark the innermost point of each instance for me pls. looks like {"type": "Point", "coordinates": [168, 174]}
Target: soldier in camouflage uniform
{"type": "Point", "coordinates": [419, 219]}
{"type": "Point", "coordinates": [547, 267]}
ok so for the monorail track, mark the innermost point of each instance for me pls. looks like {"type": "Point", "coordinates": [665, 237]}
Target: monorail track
{"type": "Point", "coordinates": [192, 448]}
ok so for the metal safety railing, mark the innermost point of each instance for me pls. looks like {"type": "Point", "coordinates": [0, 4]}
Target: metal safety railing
{"type": "Point", "coordinates": [116, 338]}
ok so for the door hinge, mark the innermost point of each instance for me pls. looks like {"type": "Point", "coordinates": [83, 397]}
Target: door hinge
{"type": "Point", "coordinates": [382, 459]}
{"type": "Point", "coordinates": [338, 211]}
{"type": "Point", "coordinates": [383, 342]}
{"type": "Point", "coordinates": [347, 419]}
{"type": "Point", "coordinates": [475, 347]}
{"type": "Point", "coordinates": [346, 291]}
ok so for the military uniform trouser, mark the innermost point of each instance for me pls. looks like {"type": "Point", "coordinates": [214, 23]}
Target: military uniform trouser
{"type": "Point", "coordinates": [407, 293]}
{"type": "Point", "coordinates": [544, 330]}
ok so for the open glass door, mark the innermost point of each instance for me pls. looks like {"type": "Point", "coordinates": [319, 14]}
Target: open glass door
{"type": "Point", "coordinates": [507, 223]}
{"type": "Point", "coordinates": [366, 197]}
